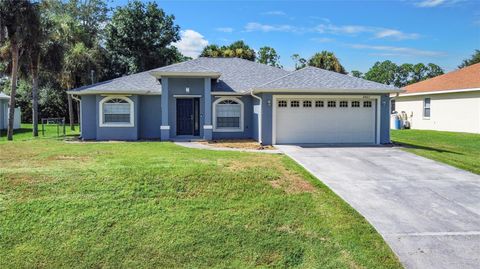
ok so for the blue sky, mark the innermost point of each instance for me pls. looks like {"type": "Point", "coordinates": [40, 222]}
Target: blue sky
{"type": "Point", "coordinates": [358, 32]}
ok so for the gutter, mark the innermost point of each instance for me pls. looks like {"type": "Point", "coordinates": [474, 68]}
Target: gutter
{"type": "Point", "coordinates": [259, 117]}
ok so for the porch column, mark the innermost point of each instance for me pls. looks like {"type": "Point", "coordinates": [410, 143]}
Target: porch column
{"type": "Point", "coordinates": [207, 120]}
{"type": "Point", "coordinates": [165, 127]}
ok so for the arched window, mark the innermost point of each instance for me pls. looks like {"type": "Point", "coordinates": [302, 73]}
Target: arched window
{"type": "Point", "coordinates": [116, 112]}
{"type": "Point", "coordinates": [228, 115]}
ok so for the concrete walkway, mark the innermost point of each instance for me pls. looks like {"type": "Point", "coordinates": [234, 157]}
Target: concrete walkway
{"type": "Point", "coordinates": [428, 212]}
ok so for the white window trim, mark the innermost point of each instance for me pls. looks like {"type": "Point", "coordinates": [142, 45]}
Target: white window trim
{"type": "Point", "coordinates": [423, 108]}
{"type": "Point", "coordinates": [132, 114]}
{"type": "Point", "coordinates": [214, 110]}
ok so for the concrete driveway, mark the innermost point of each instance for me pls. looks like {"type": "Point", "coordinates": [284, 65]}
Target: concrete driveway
{"type": "Point", "coordinates": [428, 212]}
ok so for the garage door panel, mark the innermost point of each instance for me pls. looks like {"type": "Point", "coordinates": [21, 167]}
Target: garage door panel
{"type": "Point", "coordinates": [325, 124]}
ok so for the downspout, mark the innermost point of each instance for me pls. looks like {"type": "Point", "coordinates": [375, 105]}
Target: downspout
{"type": "Point", "coordinates": [259, 117]}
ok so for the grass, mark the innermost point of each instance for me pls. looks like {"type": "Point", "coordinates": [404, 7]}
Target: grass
{"type": "Point", "coordinates": [158, 205]}
{"type": "Point", "coordinates": [461, 150]}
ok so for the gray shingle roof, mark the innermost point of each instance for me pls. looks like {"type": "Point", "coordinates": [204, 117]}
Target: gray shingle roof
{"type": "Point", "coordinates": [312, 78]}
{"type": "Point", "coordinates": [137, 83]}
{"type": "Point", "coordinates": [237, 75]}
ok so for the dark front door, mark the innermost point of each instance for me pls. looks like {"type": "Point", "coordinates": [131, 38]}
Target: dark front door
{"type": "Point", "coordinates": [188, 115]}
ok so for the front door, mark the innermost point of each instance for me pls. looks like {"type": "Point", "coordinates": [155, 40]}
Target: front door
{"type": "Point", "coordinates": [188, 111]}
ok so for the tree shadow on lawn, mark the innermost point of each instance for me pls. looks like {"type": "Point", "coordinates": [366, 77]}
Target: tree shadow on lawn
{"type": "Point", "coordinates": [3, 132]}
{"type": "Point", "coordinates": [413, 146]}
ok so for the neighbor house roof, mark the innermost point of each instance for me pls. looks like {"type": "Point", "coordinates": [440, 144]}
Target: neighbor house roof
{"type": "Point", "coordinates": [4, 96]}
{"type": "Point", "coordinates": [237, 76]}
{"type": "Point", "coordinates": [465, 78]}
{"type": "Point", "coordinates": [314, 79]}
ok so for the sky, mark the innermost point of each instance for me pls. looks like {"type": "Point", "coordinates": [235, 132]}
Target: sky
{"type": "Point", "coordinates": [360, 33]}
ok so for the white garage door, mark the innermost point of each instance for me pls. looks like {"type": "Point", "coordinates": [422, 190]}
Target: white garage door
{"type": "Point", "coordinates": [325, 120]}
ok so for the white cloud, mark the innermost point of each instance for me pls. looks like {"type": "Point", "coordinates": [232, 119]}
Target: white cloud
{"type": "Point", "coordinates": [395, 34]}
{"type": "Point", "coordinates": [436, 3]}
{"type": "Point", "coordinates": [191, 43]}
{"type": "Point", "coordinates": [377, 32]}
{"type": "Point", "coordinates": [255, 26]}
{"type": "Point", "coordinates": [322, 39]}
{"type": "Point", "coordinates": [274, 13]}
{"type": "Point", "coordinates": [224, 29]}
{"type": "Point", "coordinates": [399, 51]}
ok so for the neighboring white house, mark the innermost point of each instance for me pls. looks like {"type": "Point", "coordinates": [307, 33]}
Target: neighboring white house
{"type": "Point", "coordinates": [4, 113]}
{"type": "Point", "coordinates": [450, 102]}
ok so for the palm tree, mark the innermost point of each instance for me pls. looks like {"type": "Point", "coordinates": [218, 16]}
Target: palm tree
{"type": "Point", "coordinates": [36, 37]}
{"type": "Point", "coordinates": [328, 61]}
{"type": "Point", "coordinates": [14, 16]}
{"type": "Point", "coordinates": [77, 63]}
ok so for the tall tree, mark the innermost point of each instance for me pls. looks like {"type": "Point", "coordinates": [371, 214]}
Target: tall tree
{"type": "Point", "coordinates": [138, 37]}
{"type": "Point", "coordinates": [357, 74]}
{"type": "Point", "coordinates": [14, 16]}
{"type": "Point", "coordinates": [237, 49]}
{"type": "Point", "coordinates": [389, 73]}
{"type": "Point", "coordinates": [268, 55]}
{"type": "Point", "coordinates": [433, 70]}
{"type": "Point", "coordinates": [212, 51]}
{"type": "Point", "coordinates": [382, 72]}
{"type": "Point", "coordinates": [419, 73]}
{"type": "Point", "coordinates": [326, 60]}
{"type": "Point", "coordinates": [299, 61]}
{"type": "Point", "coordinates": [36, 36]}
{"type": "Point", "coordinates": [403, 76]}
{"type": "Point", "coordinates": [474, 59]}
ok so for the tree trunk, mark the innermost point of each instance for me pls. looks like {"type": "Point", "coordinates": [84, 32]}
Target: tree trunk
{"type": "Point", "coordinates": [70, 112]}
{"type": "Point", "coordinates": [11, 114]}
{"type": "Point", "coordinates": [35, 95]}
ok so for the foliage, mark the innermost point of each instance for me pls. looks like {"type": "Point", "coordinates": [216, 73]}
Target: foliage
{"type": "Point", "coordinates": [299, 61]}
{"type": "Point", "coordinates": [474, 59]}
{"type": "Point", "coordinates": [326, 60]}
{"type": "Point", "coordinates": [236, 49]}
{"type": "Point", "coordinates": [457, 149]}
{"type": "Point", "coordinates": [356, 73]}
{"type": "Point", "coordinates": [69, 47]}
{"type": "Point", "coordinates": [157, 205]}
{"type": "Point", "coordinates": [139, 36]}
{"type": "Point", "coordinates": [268, 55]}
{"type": "Point", "coordinates": [387, 72]}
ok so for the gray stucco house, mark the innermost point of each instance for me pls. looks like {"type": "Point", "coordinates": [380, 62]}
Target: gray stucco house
{"type": "Point", "coordinates": [4, 99]}
{"type": "Point", "coordinates": [217, 98]}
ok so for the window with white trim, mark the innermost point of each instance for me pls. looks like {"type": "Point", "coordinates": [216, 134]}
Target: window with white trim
{"type": "Point", "coordinates": [294, 103]}
{"type": "Point", "coordinates": [228, 114]}
{"type": "Point", "coordinates": [367, 103]}
{"type": "Point", "coordinates": [307, 103]}
{"type": "Point", "coordinates": [343, 103]}
{"type": "Point", "coordinates": [355, 103]}
{"type": "Point", "coordinates": [282, 103]}
{"type": "Point", "coordinates": [332, 104]}
{"type": "Point", "coordinates": [116, 111]}
{"type": "Point", "coordinates": [426, 107]}
{"type": "Point", "coordinates": [318, 103]}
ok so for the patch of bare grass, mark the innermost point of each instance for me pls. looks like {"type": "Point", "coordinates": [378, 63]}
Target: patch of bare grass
{"type": "Point", "coordinates": [237, 144]}
{"type": "Point", "coordinates": [288, 180]}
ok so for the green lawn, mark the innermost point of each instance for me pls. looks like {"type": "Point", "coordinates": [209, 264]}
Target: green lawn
{"type": "Point", "coordinates": [458, 149]}
{"type": "Point", "coordinates": [158, 205]}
